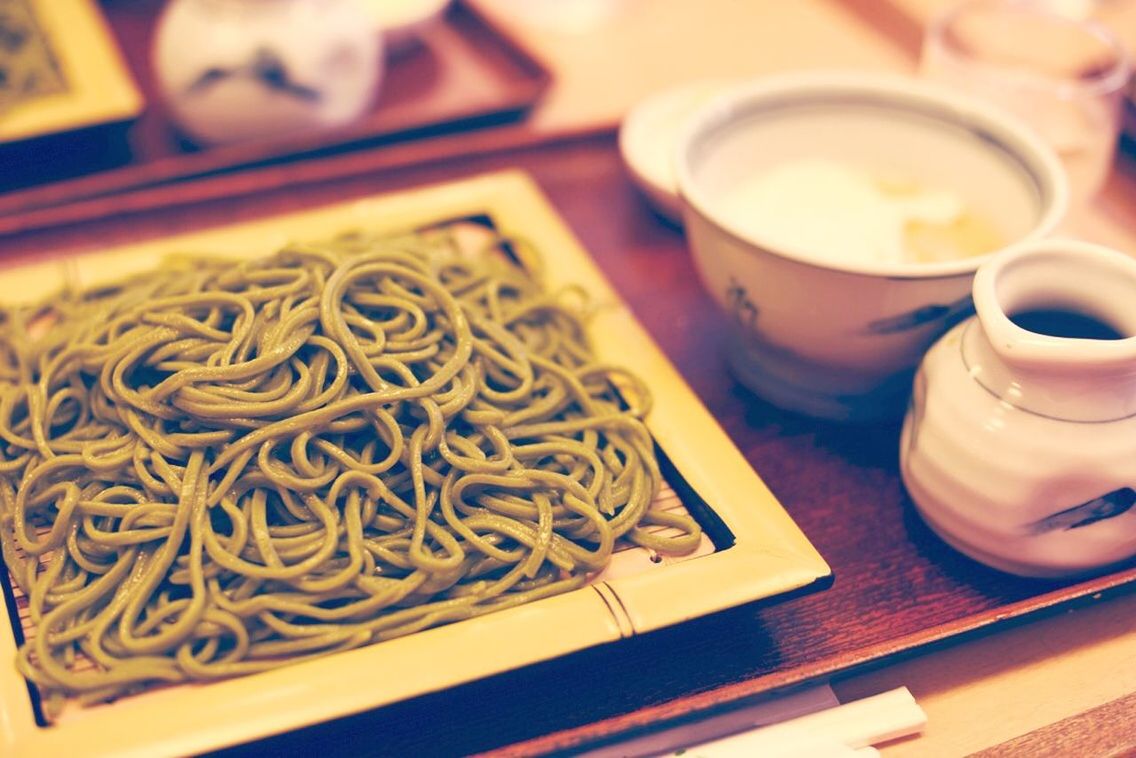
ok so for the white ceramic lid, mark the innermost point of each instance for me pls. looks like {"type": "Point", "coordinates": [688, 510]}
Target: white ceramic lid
{"type": "Point", "coordinates": [648, 138]}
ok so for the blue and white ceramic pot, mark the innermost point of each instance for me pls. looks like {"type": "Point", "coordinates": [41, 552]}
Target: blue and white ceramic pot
{"type": "Point", "coordinates": [236, 70]}
{"type": "Point", "coordinates": [1019, 446]}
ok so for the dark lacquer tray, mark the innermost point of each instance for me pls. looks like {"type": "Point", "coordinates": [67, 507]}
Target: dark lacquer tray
{"type": "Point", "coordinates": [897, 587]}
{"type": "Point", "coordinates": [460, 73]}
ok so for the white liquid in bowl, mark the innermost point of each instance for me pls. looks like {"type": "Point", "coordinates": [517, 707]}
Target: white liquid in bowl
{"type": "Point", "coordinates": [832, 211]}
{"type": "Point", "coordinates": [839, 180]}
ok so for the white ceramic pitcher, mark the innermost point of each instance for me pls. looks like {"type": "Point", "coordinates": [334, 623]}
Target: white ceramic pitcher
{"type": "Point", "coordinates": [235, 70]}
{"type": "Point", "coordinates": [1019, 446]}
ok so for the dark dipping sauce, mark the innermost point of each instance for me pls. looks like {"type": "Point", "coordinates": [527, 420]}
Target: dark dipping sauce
{"type": "Point", "coordinates": [1063, 323]}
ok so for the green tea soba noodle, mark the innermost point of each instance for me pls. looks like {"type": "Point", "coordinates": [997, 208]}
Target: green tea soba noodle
{"type": "Point", "coordinates": [217, 467]}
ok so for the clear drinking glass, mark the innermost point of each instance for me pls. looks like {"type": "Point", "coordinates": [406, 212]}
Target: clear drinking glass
{"type": "Point", "coordinates": [1061, 75]}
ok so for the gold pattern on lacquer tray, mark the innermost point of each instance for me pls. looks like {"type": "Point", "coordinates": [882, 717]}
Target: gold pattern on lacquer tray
{"type": "Point", "coordinates": [29, 68]}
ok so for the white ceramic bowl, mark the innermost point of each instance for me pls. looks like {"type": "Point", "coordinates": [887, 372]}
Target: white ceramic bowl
{"type": "Point", "coordinates": [841, 339]}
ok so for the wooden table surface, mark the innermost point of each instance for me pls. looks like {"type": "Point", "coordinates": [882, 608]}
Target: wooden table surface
{"type": "Point", "coordinates": [987, 689]}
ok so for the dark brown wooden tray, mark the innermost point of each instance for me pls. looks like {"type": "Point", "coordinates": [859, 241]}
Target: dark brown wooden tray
{"type": "Point", "coordinates": [460, 74]}
{"type": "Point", "coordinates": [897, 587]}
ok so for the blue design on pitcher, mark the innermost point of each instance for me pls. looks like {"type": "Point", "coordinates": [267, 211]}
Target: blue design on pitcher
{"type": "Point", "coordinates": [266, 67]}
{"type": "Point", "coordinates": [1104, 507]}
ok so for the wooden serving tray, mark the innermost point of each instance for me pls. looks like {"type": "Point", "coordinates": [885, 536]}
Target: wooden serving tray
{"type": "Point", "coordinates": [897, 587]}
{"type": "Point", "coordinates": [461, 73]}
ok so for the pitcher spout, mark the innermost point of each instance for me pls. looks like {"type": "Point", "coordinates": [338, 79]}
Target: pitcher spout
{"type": "Point", "coordinates": [1058, 330]}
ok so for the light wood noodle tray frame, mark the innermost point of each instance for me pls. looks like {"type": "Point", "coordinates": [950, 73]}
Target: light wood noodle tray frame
{"type": "Point", "coordinates": [769, 554]}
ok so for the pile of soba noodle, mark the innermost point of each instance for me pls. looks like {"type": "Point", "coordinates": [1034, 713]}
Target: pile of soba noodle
{"type": "Point", "coordinates": [221, 467]}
